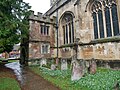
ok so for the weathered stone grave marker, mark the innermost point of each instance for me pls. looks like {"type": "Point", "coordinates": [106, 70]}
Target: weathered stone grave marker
{"type": "Point", "coordinates": [93, 67]}
{"type": "Point", "coordinates": [77, 71]}
{"type": "Point", "coordinates": [64, 65]}
{"type": "Point", "coordinates": [43, 62]}
{"type": "Point", "coordinates": [53, 67]}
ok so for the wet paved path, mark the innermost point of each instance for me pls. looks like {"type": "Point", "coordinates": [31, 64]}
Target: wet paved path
{"type": "Point", "coordinates": [27, 79]}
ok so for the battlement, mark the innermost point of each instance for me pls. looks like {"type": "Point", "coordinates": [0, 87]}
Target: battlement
{"type": "Point", "coordinates": [41, 17]}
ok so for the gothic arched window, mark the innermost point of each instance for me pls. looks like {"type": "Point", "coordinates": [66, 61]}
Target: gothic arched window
{"type": "Point", "coordinates": [105, 19]}
{"type": "Point", "coordinates": [68, 28]}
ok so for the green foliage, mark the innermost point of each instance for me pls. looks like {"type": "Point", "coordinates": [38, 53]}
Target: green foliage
{"type": "Point", "coordinates": [9, 84]}
{"type": "Point", "coordinates": [13, 23]}
{"type": "Point", "coordinates": [56, 73]}
{"type": "Point", "coordinates": [104, 79]}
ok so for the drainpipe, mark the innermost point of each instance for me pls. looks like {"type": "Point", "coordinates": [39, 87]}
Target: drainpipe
{"type": "Point", "coordinates": [57, 32]}
{"type": "Point", "coordinates": [57, 27]}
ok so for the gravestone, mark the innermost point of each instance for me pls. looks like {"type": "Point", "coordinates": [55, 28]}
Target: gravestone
{"type": "Point", "coordinates": [107, 65]}
{"type": "Point", "coordinates": [53, 67]}
{"type": "Point", "coordinates": [43, 62]}
{"type": "Point", "coordinates": [93, 67]}
{"type": "Point", "coordinates": [64, 65]}
{"type": "Point", "coordinates": [77, 71]}
{"type": "Point", "coordinates": [87, 67]}
{"type": "Point", "coordinates": [84, 67]}
{"type": "Point", "coordinates": [33, 63]}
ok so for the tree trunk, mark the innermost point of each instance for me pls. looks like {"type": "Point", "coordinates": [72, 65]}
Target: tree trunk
{"type": "Point", "coordinates": [6, 55]}
{"type": "Point", "coordinates": [24, 52]}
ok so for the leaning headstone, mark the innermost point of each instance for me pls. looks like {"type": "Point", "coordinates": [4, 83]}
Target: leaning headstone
{"type": "Point", "coordinates": [93, 67]}
{"type": "Point", "coordinates": [64, 65]}
{"type": "Point", "coordinates": [77, 71]}
{"type": "Point", "coordinates": [53, 67]}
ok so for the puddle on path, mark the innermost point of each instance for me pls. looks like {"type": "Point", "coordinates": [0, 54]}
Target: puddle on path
{"type": "Point", "coordinates": [18, 70]}
{"type": "Point", "coordinates": [28, 80]}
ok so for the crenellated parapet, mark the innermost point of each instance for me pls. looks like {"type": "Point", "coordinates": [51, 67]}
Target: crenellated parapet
{"type": "Point", "coordinates": [41, 18]}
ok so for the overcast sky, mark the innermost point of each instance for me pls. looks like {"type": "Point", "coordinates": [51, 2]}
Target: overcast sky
{"type": "Point", "coordinates": [39, 5]}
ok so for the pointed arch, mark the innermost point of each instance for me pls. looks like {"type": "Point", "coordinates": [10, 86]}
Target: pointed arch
{"type": "Point", "coordinates": [66, 12]}
{"type": "Point", "coordinates": [105, 17]}
{"type": "Point", "coordinates": [67, 24]}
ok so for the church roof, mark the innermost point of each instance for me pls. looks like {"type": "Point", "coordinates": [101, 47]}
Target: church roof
{"type": "Point", "coordinates": [56, 6]}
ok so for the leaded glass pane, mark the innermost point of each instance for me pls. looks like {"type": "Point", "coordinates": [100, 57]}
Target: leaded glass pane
{"type": "Point", "coordinates": [66, 33]}
{"type": "Point", "coordinates": [70, 32]}
{"type": "Point", "coordinates": [108, 22]}
{"type": "Point", "coordinates": [95, 25]}
{"type": "Point", "coordinates": [101, 27]}
{"type": "Point", "coordinates": [115, 20]}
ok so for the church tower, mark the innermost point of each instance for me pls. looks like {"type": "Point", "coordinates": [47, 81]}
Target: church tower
{"type": "Point", "coordinates": [52, 2]}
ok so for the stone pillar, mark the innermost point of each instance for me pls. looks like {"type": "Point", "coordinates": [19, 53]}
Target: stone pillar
{"type": "Point", "coordinates": [111, 21]}
{"type": "Point", "coordinates": [104, 22]}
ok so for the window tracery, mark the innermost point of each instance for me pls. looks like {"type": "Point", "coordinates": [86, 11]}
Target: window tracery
{"type": "Point", "coordinates": [105, 18]}
{"type": "Point", "coordinates": [68, 29]}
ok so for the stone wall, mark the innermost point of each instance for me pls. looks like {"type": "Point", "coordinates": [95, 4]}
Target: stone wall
{"type": "Point", "coordinates": [36, 39]}
{"type": "Point", "coordinates": [105, 51]}
{"type": "Point", "coordinates": [84, 30]}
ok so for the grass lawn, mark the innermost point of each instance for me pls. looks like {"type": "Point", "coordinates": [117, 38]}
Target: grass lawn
{"type": "Point", "coordinates": [9, 84]}
{"type": "Point", "coordinates": [9, 61]}
{"type": "Point", "coordinates": [104, 79]}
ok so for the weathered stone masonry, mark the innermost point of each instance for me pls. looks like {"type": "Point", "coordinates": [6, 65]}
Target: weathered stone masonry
{"type": "Point", "coordinates": [94, 24]}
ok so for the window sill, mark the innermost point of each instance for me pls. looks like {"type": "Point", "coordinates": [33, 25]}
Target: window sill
{"type": "Point", "coordinates": [104, 40]}
{"type": "Point", "coordinates": [44, 53]}
{"type": "Point", "coordinates": [67, 45]}
{"type": "Point", "coordinates": [96, 41]}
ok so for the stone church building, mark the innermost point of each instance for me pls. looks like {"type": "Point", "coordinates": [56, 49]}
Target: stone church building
{"type": "Point", "coordinates": [77, 29]}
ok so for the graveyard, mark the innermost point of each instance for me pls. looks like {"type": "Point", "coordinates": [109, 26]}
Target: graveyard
{"type": "Point", "coordinates": [77, 78]}
{"type": "Point", "coordinates": [75, 45]}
